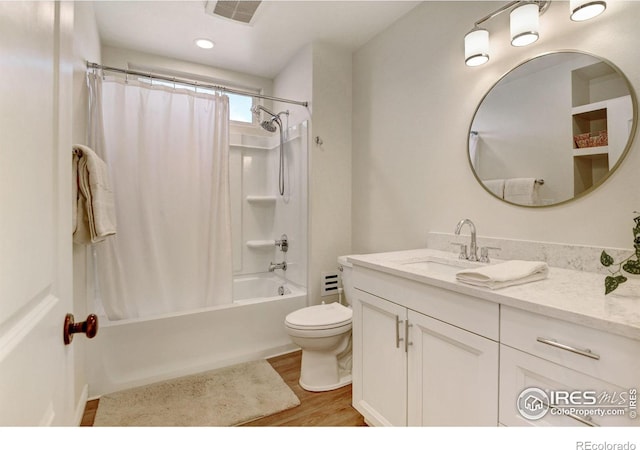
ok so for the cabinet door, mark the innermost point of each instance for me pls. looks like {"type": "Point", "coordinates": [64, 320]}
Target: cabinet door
{"type": "Point", "coordinates": [453, 375]}
{"type": "Point", "coordinates": [379, 360]}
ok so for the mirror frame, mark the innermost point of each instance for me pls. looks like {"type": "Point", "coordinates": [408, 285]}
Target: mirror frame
{"type": "Point", "coordinates": [623, 154]}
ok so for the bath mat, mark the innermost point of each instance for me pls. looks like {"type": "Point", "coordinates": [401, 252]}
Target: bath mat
{"type": "Point", "coordinates": [222, 397]}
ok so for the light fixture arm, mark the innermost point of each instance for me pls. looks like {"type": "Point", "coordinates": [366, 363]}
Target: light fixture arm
{"type": "Point", "coordinates": [543, 5]}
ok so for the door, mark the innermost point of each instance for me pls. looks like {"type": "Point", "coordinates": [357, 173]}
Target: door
{"type": "Point", "coordinates": [453, 375]}
{"type": "Point", "coordinates": [36, 368]}
{"type": "Point", "coordinates": [379, 360]}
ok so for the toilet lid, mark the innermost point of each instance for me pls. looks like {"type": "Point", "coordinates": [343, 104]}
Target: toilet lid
{"type": "Point", "coordinates": [320, 316]}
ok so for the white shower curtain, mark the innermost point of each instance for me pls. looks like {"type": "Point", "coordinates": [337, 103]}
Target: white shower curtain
{"type": "Point", "coordinates": [167, 151]}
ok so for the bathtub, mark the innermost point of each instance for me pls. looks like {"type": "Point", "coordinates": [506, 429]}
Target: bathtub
{"type": "Point", "coordinates": [135, 352]}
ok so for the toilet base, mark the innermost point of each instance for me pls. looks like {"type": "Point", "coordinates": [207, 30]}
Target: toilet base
{"type": "Point", "coordinates": [322, 371]}
{"type": "Point", "coordinates": [344, 381]}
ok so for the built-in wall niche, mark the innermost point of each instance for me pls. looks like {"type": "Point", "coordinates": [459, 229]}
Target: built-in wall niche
{"type": "Point", "coordinates": [602, 113]}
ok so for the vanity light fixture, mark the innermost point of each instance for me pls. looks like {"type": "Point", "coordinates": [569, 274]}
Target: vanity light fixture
{"type": "Point", "coordinates": [524, 25]}
{"type": "Point", "coordinates": [586, 9]}
{"type": "Point", "coordinates": [204, 43]}
{"type": "Point", "coordinates": [476, 47]}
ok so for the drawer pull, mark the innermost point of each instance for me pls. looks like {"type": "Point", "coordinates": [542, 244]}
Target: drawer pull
{"type": "Point", "coordinates": [553, 343]}
{"type": "Point", "coordinates": [582, 420]}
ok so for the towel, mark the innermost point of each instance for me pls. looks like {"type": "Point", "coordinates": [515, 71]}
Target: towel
{"type": "Point", "coordinates": [505, 274]}
{"type": "Point", "coordinates": [94, 207]}
{"type": "Point", "coordinates": [523, 191]}
{"type": "Point", "coordinates": [496, 186]}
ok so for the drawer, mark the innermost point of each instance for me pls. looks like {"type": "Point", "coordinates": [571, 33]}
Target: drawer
{"type": "Point", "coordinates": [469, 313]}
{"type": "Point", "coordinates": [599, 354]}
{"type": "Point", "coordinates": [520, 371]}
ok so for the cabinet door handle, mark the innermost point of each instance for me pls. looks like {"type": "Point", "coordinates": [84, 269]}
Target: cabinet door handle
{"type": "Point", "coordinates": [406, 336]}
{"type": "Point", "coordinates": [583, 420]}
{"type": "Point", "coordinates": [568, 348]}
{"type": "Point", "coordinates": [398, 338]}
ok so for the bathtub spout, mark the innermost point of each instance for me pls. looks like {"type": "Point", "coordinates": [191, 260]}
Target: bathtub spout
{"type": "Point", "coordinates": [274, 266]}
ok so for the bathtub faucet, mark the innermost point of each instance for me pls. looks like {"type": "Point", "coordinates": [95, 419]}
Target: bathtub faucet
{"type": "Point", "coordinates": [274, 266]}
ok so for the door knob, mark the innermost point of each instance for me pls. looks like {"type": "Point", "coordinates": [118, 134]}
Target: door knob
{"type": "Point", "coordinates": [88, 327]}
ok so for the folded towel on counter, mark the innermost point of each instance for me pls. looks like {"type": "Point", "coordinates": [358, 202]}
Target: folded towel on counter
{"type": "Point", "coordinates": [523, 191]}
{"type": "Point", "coordinates": [496, 186]}
{"type": "Point", "coordinates": [94, 208]}
{"type": "Point", "coordinates": [505, 274]}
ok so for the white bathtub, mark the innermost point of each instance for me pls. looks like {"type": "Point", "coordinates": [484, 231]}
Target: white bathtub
{"type": "Point", "coordinates": [129, 353]}
{"type": "Point", "coordinates": [261, 287]}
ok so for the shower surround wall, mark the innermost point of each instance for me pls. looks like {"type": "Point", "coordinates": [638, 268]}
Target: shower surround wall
{"type": "Point", "coordinates": [260, 215]}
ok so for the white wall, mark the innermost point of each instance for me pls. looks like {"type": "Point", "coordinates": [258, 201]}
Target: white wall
{"type": "Point", "coordinates": [131, 59]}
{"type": "Point", "coordinates": [413, 101]}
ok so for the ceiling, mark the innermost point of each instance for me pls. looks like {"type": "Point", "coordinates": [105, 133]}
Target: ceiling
{"type": "Point", "coordinates": [279, 29]}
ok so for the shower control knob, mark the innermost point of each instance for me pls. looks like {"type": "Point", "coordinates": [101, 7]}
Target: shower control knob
{"type": "Point", "coordinates": [89, 327]}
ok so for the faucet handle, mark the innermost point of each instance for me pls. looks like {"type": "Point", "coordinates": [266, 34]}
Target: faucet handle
{"type": "Point", "coordinates": [484, 253]}
{"type": "Point", "coordinates": [463, 250]}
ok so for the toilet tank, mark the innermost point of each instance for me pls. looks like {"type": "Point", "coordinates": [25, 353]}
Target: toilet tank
{"type": "Point", "coordinates": [347, 280]}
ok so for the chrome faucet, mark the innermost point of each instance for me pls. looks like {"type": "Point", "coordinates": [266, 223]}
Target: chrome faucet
{"type": "Point", "coordinates": [473, 250]}
{"type": "Point", "coordinates": [274, 266]}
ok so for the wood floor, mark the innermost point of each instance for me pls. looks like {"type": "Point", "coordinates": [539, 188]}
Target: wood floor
{"type": "Point", "coordinates": [317, 409]}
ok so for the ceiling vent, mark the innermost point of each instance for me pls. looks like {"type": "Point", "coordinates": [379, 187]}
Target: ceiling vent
{"type": "Point", "coordinates": [240, 11]}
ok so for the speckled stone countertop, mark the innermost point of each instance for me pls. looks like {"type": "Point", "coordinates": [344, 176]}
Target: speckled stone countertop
{"type": "Point", "coordinates": [571, 295]}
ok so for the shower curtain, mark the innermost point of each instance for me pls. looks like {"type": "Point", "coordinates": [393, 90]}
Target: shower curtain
{"type": "Point", "coordinates": [167, 152]}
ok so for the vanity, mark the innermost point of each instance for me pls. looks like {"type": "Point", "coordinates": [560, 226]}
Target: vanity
{"type": "Point", "coordinates": [431, 351]}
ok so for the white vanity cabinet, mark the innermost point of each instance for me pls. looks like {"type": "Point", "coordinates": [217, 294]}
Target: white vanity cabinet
{"type": "Point", "coordinates": [380, 360]}
{"type": "Point", "coordinates": [422, 355]}
{"type": "Point", "coordinates": [429, 351]}
{"type": "Point", "coordinates": [552, 355]}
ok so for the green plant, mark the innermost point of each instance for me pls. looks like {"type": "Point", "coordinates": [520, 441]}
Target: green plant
{"type": "Point", "coordinates": [630, 265]}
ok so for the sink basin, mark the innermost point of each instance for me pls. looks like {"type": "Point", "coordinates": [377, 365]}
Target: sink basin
{"type": "Point", "coordinates": [441, 266]}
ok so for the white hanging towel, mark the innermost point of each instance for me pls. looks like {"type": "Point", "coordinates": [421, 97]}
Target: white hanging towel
{"type": "Point", "coordinates": [496, 186]}
{"type": "Point", "coordinates": [94, 207]}
{"type": "Point", "coordinates": [523, 191]}
{"type": "Point", "coordinates": [505, 274]}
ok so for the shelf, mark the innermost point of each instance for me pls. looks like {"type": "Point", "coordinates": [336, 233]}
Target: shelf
{"type": "Point", "coordinates": [590, 108]}
{"type": "Point", "coordinates": [261, 199]}
{"type": "Point", "coordinates": [591, 151]}
{"type": "Point", "coordinates": [261, 245]}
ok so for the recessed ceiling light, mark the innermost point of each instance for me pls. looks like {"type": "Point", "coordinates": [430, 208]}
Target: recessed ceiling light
{"type": "Point", "coordinates": [204, 43]}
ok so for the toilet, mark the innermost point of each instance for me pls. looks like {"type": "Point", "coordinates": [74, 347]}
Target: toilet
{"type": "Point", "coordinates": [323, 332]}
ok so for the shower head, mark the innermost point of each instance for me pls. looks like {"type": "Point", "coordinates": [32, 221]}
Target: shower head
{"type": "Point", "coordinates": [269, 125]}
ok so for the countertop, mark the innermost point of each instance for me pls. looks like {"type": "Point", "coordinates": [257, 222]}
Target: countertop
{"type": "Point", "coordinates": [570, 295]}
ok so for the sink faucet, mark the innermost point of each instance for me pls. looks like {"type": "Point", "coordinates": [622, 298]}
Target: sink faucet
{"type": "Point", "coordinates": [274, 266]}
{"type": "Point", "coordinates": [473, 250]}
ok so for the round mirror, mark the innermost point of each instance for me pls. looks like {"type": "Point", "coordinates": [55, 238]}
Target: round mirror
{"type": "Point", "coordinates": [552, 129]}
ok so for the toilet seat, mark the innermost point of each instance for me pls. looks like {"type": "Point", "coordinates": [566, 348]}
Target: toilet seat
{"type": "Point", "coordinates": [320, 317]}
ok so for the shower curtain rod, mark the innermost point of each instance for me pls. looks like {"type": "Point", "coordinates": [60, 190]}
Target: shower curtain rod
{"type": "Point", "coordinates": [215, 87]}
